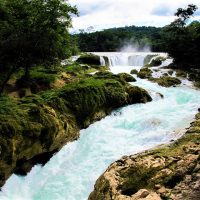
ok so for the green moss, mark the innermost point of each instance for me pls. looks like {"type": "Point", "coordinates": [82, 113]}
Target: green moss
{"type": "Point", "coordinates": [156, 62]}
{"type": "Point", "coordinates": [197, 84]}
{"type": "Point", "coordinates": [133, 71]}
{"type": "Point", "coordinates": [127, 77]}
{"type": "Point", "coordinates": [148, 58]}
{"type": "Point", "coordinates": [138, 95]}
{"type": "Point", "coordinates": [106, 60]}
{"type": "Point", "coordinates": [136, 178]}
{"type": "Point", "coordinates": [144, 73]}
{"type": "Point", "coordinates": [45, 122]}
{"type": "Point", "coordinates": [181, 74]}
{"type": "Point", "coordinates": [89, 59]}
{"type": "Point", "coordinates": [166, 81]}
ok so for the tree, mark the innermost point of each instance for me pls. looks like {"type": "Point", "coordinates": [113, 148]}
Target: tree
{"type": "Point", "coordinates": [182, 39]}
{"type": "Point", "coordinates": [33, 32]}
{"type": "Point", "coordinates": [185, 14]}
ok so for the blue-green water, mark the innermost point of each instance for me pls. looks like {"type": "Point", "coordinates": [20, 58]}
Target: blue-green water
{"type": "Point", "coordinates": [71, 173]}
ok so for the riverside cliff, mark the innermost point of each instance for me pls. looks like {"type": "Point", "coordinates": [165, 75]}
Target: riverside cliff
{"type": "Point", "coordinates": [33, 128]}
{"type": "Point", "coordinates": [169, 172]}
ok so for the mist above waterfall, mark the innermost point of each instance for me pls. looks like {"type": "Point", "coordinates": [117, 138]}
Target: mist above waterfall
{"type": "Point", "coordinates": [134, 47]}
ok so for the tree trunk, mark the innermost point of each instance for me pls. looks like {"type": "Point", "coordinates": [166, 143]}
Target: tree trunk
{"type": "Point", "coordinates": [27, 73]}
{"type": "Point", "coordinates": [2, 86]}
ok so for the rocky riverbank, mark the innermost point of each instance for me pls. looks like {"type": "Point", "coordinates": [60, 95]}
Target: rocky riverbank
{"type": "Point", "coordinates": [34, 127]}
{"type": "Point", "coordinates": [169, 172]}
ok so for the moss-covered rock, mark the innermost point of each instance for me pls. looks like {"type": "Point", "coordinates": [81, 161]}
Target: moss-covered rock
{"type": "Point", "coordinates": [148, 58]}
{"type": "Point", "coordinates": [89, 59]}
{"type": "Point", "coordinates": [157, 61]}
{"type": "Point", "coordinates": [166, 81]}
{"type": "Point", "coordinates": [168, 172]}
{"type": "Point", "coordinates": [34, 127]}
{"type": "Point", "coordinates": [138, 95]}
{"type": "Point", "coordinates": [144, 73]}
{"type": "Point", "coordinates": [181, 74]}
{"type": "Point", "coordinates": [133, 71]}
{"type": "Point", "coordinates": [127, 77]}
{"type": "Point", "coordinates": [170, 72]}
{"type": "Point", "coordinates": [106, 60]}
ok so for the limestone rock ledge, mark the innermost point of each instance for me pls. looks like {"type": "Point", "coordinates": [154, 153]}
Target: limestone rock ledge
{"type": "Point", "coordinates": [33, 128]}
{"type": "Point", "coordinates": [170, 172]}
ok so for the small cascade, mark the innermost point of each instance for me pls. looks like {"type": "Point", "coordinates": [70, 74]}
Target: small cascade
{"type": "Point", "coordinates": [116, 60]}
{"type": "Point", "coordinates": [136, 60]}
{"type": "Point", "coordinates": [124, 58]}
{"type": "Point", "coordinates": [102, 61]}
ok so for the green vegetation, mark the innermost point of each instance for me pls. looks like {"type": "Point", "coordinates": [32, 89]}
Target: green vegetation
{"type": "Point", "coordinates": [155, 62]}
{"type": "Point", "coordinates": [127, 77]}
{"type": "Point", "coordinates": [41, 123]}
{"type": "Point", "coordinates": [144, 73]}
{"type": "Point", "coordinates": [32, 34]}
{"type": "Point", "coordinates": [89, 59]}
{"type": "Point", "coordinates": [182, 39]}
{"type": "Point", "coordinates": [133, 71]}
{"type": "Point", "coordinates": [113, 39]}
{"type": "Point", "coordinates": [148, 58]}
{"type": "Point", "coordinates": [166, 81]}
{"type": "Point", "coordinates": [181, 74]}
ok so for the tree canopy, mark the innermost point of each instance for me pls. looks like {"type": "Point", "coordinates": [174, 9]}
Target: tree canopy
{"type": "Point", "coordinates": [34, 32]}
{"type": "Point", "coordinates": [182, 40]}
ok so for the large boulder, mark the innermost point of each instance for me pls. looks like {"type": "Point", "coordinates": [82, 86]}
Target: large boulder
{"type": "Point", "coordinates": [144, 73]}
{"type": "Point", "coordinates": [127, 77]}
{"type": "Point", "coordinates": [166, 81]}
{"type": "Point", "coordinates": [89, 59]}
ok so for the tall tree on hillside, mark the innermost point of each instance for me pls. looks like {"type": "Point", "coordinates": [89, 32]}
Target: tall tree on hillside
{"type": "Point", "coordinates": [182, 39]}
{"type": "Point", "coordinates": [33, 32]}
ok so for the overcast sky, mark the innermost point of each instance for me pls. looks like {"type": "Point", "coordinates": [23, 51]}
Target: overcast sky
{"type": "Point", "coordinates": [103, 14]}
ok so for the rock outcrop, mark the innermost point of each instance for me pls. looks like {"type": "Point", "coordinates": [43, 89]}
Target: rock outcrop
{"type": "Point", "coordinates": [33, 128]}
{"type": "Point", "coordinates": [145, 73]}
{"type": "Point", "coordinates": [166, 81]}
{"type": "Point", "coordinates": [170, 172]}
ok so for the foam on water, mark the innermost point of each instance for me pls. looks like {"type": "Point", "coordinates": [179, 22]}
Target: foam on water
{"type": "Point", "coordinates": [72, 172]}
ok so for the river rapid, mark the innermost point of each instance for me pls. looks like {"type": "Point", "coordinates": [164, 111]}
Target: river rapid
{"type": "Point", "coordinates": [72, 172]}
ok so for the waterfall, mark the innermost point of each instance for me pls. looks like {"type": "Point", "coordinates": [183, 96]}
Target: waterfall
{"type": "Point", "coordinates": [102, 61]}
{"type": "Point", "coordinates": [124, 58]}
{"type": "Point", "coordinates": [136, 60]}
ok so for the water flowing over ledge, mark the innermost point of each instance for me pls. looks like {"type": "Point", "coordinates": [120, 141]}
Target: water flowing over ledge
{"type": "Point", "coordinates": [126, 58]}
{"type": "Point", "coordinates": [71, 173]}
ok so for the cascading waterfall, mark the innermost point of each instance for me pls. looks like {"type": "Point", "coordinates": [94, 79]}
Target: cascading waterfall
{"type": "Point", "coordinates": [72, 172]}
{"type": "Point", "coordinates": [125, 58]}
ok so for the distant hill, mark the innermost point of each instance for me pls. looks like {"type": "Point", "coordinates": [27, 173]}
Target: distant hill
{"type": "Point", "coordinates": [114, 39]}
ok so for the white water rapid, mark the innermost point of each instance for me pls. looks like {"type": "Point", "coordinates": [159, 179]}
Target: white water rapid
{"type": "Point", "coordinates": [72, 172]}
{"type": "Point", "coordinates": [125, 58]}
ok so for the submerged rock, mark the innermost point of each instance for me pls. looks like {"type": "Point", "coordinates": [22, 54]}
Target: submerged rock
{"type": "Point", "coordinates": [169, 172]}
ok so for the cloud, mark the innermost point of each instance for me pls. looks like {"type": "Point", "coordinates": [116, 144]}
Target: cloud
{"type": "Point", "coordinates": [103, 14]}
{"type": "Point", "coordinates": [162, 11]}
